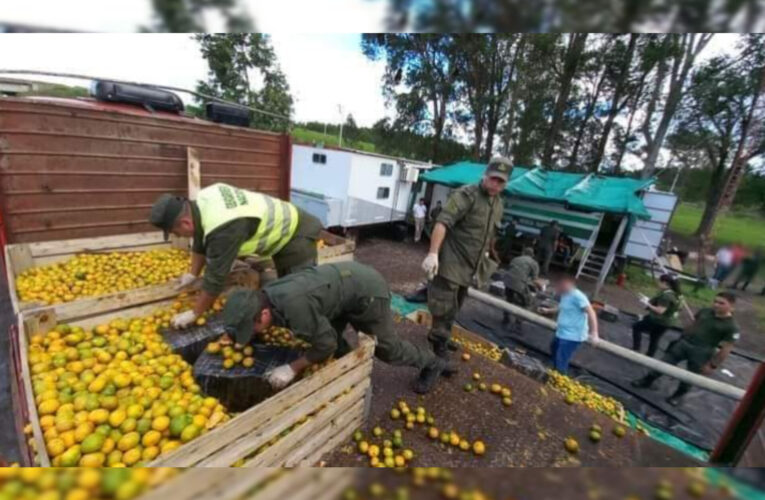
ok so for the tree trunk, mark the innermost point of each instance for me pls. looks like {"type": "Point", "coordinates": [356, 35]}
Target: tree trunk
{"type": "Point", "coordinates": [573, 54]}
{"type": "Point", "coordinates": [723, 187]}
{"type": "Point", "coordinates": [673, 99]}
{"type": "Point", "coordinates": [438, 129]}
{"type": "Point", "coordinates": [623, 145]}
{"type": "Point", "coordinates": [588, 112]}
{"type": "Point", "coordinates": [614, 110]}
{"type": "Point", "coordinates": [512, 107]}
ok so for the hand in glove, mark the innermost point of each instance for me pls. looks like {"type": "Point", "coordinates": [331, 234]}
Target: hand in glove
{"type": "Point", "coordinates": [185, 281]}
{"type": "Point", "coordinates": [430, 265]}
{"type": "Point", "coordinates": [184, 319]}
{"type": "Point", "coordinates": [280, 376]}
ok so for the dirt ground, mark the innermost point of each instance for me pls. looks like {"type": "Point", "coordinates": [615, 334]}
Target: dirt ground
{"type": "Point", "coordinates": [528, 433]}
{"type": "Point", "coordinates": [750, 306]}
{"type": "Point", "coordinates": [541, 484]}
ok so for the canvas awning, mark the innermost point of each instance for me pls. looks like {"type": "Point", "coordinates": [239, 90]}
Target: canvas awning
{"type": "Point", "coordinates": [600, 193]}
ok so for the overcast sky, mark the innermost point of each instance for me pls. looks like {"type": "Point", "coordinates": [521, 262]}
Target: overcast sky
{"type": "Point", "coordinates": [322, 70]}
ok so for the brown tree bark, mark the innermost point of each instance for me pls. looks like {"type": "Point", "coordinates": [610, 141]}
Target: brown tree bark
{"type": "Point", "coordinates": [621, 84]}
{"type": "Point", "coordinates": [571, 61]}
{"type": "Point", "coordinates": [692, 44]}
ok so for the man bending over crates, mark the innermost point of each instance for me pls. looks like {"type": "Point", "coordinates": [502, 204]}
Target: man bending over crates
{"type": "Point", "coordinates": [227, 222]}
{"type": "Point", "coordinates": [316, 305]}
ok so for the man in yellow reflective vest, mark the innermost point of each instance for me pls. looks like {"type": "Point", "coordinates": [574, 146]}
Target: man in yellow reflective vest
{"type": "Point", "coordinates": [226, 222]}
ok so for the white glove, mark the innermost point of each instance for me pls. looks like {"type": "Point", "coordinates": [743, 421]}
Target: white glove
{"type": "Point", "coordinates": [644, 300]}
{"type": "Point", "coordinates": [430, 265]}
{"type": "Point", "coordinates": [184, 319]}
{"type": "Point", "coordinates": [280, 376]}
{"type": "Point", "coordinates": [185, 280]}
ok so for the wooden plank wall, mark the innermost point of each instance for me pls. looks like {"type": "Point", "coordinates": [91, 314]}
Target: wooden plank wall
{"type": "Point", "coordinates": [81, 169]}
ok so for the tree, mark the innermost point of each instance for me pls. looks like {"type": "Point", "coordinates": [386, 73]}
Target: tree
{"type": "Point", "coordinates": [418, 79]}
{"type": "Point", "coordinates": [724, 110]}
{"type": "Point", "coordinates": [350, 129]}
{"type": "Point", "coordinates": [525, 130]}
{"type": "Point", "coordinates": [562, 16]}
{"type": "Point", "coordinates": [681, 51]}
{"type": "Point", "coordinates": [234, 60]}
{"type": "Point", "coordinates": [483, 79]}
{"type": "Point", "coordinates": [619, 78]}
{"type": "Point", "coordinates": [570, 62]}
{"type": "Point", "coordinates": [186, 16]}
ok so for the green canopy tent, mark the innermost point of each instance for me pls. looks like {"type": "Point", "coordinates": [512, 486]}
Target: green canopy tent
{"type": "Point", "coordinates": [577, 201]}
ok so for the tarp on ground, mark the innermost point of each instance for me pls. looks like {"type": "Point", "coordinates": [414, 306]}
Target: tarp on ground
{"type": "Point", "coordinates": [618, 195]}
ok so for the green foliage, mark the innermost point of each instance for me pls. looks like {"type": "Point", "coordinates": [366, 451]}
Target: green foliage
{"type": "Point", "coordinates": [732, 227]}
{"type": "Point", "coordinates": [231, 57]}
{"type": "Point", "coordinates": [641, 281]}
{"type": "Point", "coordinates": [55, 90]}
{"type": "Point", "coordinates": [186, 16]}
{"type": "Point", "coordinates": [305, 135]}
{"type": "Point", "coordinates": [383, 138]}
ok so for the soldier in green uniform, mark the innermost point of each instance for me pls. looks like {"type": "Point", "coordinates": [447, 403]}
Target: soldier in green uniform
{"type": "Point", "coordinates": [662, 312]}
{"type": "Point", "coordinates": [316, 305]}
{"type": "Point", "coordinates": [704, 345]}
{"type": "Point", "coordinates": [226, 222]}
{"type": "Point", "coordinates": [548, 238]}
{"type": "Point", "coordinates": [521, 281]}
{"type": "Point", "coordinates": [460, 246]}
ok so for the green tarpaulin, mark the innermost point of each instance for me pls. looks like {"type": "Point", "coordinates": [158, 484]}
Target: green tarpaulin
{"type": "Point", "coordinates": [619, 195]}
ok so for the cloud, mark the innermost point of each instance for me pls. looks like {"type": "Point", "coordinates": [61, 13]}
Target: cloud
{"type": "Point", "coordinates": [326, 70]}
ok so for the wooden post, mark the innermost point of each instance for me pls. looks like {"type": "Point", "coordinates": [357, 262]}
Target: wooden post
{"type": "Point", "coordinates": [611, 254]}
{"type": "Point", "coordinates": [744, 423]}
{"type": "Point", "coordinates": [194, 172]}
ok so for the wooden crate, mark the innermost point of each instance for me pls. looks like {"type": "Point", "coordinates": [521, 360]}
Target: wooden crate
{"type": "Point", "coordinates": [256, 484]}
{"type": "Point", "coordinates": [336, 249]}
{"type": "Point", "coordinates": [338, 395]}
{"type": "Point", "coordinates": [21, 256]}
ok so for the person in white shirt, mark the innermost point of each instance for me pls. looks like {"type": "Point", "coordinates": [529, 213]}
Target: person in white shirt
{"type": "Point", "coordinates": [724, 264]}
{"type": "Point", "coordinates": [420, 211]}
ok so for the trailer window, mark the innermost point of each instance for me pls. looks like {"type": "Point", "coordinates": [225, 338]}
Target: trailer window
{"type": "Point", "coordinates": [320, 158]}
{"type": "Point", "coordinates": [383, 193]}
{"type": "Point", "coordinates": [386, 170]}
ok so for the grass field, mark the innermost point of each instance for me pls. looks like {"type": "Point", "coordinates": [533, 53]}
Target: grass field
{"type": "Point", "coordinates": [732, 227]}
{"type": "Point", "coordinates": [642, 282]}
{"type": "Point", "coordinates": [305, 135]}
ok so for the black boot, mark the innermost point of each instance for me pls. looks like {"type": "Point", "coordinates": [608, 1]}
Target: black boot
{"type": "Point", "coordinates": [429, 376]}
{"type": "Point", "coordinates": [677, 398]}
{"type": "Point", "coordinates": [643, 383]}
{"type": "Point", "coordinates": [441, 350]}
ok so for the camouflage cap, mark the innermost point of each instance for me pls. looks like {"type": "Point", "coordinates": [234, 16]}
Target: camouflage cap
{"type": "Point", "coordinates": [499, 166]}
{"type": "Point", "coordinates": [239, 313]}
{"type": "Point", "coordinates": [165, 210]}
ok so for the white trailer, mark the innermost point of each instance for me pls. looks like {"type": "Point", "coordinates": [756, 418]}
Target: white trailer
{"type": "Point", "coordinates": [349, 188]}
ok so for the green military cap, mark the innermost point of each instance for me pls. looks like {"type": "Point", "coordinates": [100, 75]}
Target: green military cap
{"type": "Point", "coordinates": [165, 210]}
{"type": "Point", "coordinates": [239, 313]}
{"type": "Point", "coordinates": [499, 166]}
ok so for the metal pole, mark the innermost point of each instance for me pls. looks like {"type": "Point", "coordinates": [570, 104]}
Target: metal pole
{"type": "Point", "coordinates": [610, 256]}
{"type": "Point", "coordinates": [744, 423]}
{"type": "Point", "coordinates": [697, 380]}
{"type": "Point", "coordinates": [147, 85]}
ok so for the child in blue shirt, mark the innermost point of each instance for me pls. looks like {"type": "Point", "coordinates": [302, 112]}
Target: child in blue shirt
{"type": "Point", "coordinates": [576, 321]}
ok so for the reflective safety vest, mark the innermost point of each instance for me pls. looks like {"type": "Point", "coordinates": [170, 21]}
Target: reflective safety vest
{"type": "Point", "coordinates": [220, 203]}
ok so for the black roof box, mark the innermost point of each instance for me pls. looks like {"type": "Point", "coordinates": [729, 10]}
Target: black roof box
{"type": "Point", "coordinates": [220, 112]}
{"type": "Point", "coordinates": [150, 98]}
